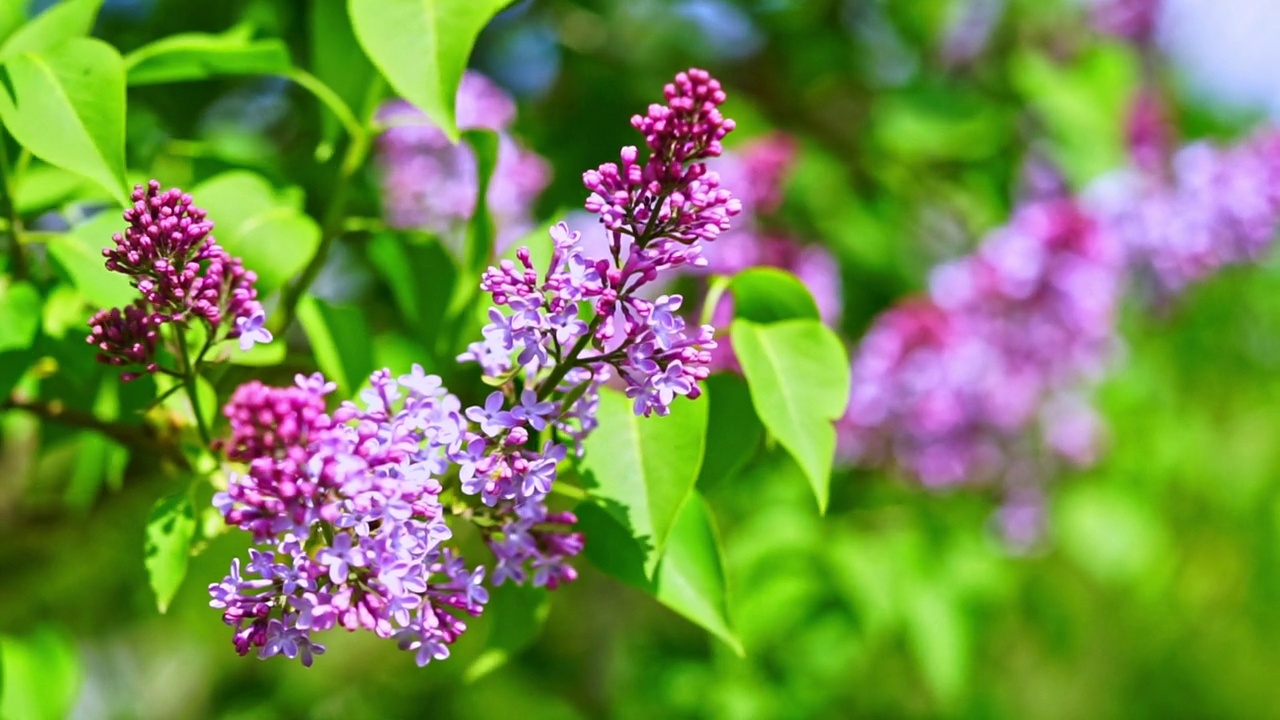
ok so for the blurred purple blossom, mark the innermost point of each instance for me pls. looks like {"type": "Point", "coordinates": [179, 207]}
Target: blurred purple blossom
{"type": "Point", "coordinates": [431, 185]}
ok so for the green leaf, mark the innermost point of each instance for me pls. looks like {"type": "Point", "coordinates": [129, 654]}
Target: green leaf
{"type": "Point", "coordinates": [643, 470]}
{"type": "Point", "coordinates": [179, 401]}
{"type": "Point", "coordinates": [339, 338]}
{"type": "Point", "coordinates": [939, 635]}
{"type": "Point", "coordinates": [198, 56]}
{"type": "Point", "coordinates": [518, 613]}
{"type": "Point", "coordinates": [422, 46]}
{"type": "Point", "coordinates": [266, 229]}
{"type": "Point", "coordinates": [798, 374]}
{"type": "Point", "coordinates": [62, 22]}
{"type": "Point", "coordinates": [1111, 535]}
{"type": "Point", "coordinates": [66, 105]}
{"type": "Point", "coordinates": [12, 16]}
{"type": "Point", "coordinates": [45, 186]}
{"type": "Point", "coordinates": [1078, 103]}
{"type": "Point", "coordinates": [478, 253]}
{"type": "Point", "coordinates": [733, 430]}
{"type": "Point", "coordinates": [79, 255]}
{"type": "Point", "coordinates": [766, 295]}
{"type": "Point", "coordinates": [421, 276]}
{"type": "Point", "coordinates": [169, 532]}
{"type": "Point", "coordinates": [39, 675]}
{"type": "Point", "coordinates": [689, 578]}
{"type": "Point", "coordinates": [98, 461]}
{"type": "Point", "coordinates": [19, 315]}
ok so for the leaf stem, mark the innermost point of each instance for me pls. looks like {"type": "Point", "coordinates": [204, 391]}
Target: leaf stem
{"type": "Point", "coordinates": [563, 367]}
{"type": "Point", "coordinates": [189, 370]}
{"type": "Point", "coordinates": [332, 225]}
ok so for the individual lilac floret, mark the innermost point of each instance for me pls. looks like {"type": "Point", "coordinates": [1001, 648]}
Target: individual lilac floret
{"type": "Point", "coordinates": [430, 184]}
{"type": "Point", "coordinates": [183, 274]}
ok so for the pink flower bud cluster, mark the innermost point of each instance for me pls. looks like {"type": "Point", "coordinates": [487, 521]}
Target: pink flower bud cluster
{"type": "Point", "coordinates": [183, 275]}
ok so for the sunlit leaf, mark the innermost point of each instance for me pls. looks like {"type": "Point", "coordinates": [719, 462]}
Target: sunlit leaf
{"type": "Point", "coordinates": [39, 675]}
{"type": "Point", "coordinates": [798, 374]}
{"type": "Point", "coordinates": [19, 314]}
{"type": "Point", "coordinates": [766, 295]}
{"type": "Point", "coordinates": [167, 550]}
{"type": "Point", "coordinates": [422, 46]}
{"type": "Point", "coordinates": [79, 254]}
{"type": "Point", "coordinates": [643, 470]}
{"type": "Point", "coordinates": [338, 337]}
{"type": "Point", "coordinates": [54, 26]}
{"type": "Point", "coordinates": [66, 105]}
{"type": "Point", "coordinates": [198, 56]}
{"type": "Point", "coordinates": [263, 227]}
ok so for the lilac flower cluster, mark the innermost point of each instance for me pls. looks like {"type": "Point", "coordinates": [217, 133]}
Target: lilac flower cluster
{"type": "Point", "coordinates": [1212, 207]}
{"type": "Point", "coordinates": [946, 388]}
{"type": "Point", "coordinates": [350, 508]}
{"type": "Point", "coordinates": [183, 275]}
{"type": "Point", "coordinates": [347, 506]}
{"type": "Point", "coordinates": [431, 184]}
{"type": "Point", "coordinates": [656, 215]}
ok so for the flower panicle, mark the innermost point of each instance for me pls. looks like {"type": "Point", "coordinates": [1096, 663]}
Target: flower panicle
{"type": "Point", "coordinates": [183, 275]}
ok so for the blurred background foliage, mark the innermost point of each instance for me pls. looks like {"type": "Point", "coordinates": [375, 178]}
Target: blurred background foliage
{"type": "Point", "coordinates": [1155, 594]}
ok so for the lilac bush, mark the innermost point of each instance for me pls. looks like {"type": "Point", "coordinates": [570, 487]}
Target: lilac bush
{"type": "Point", "coordinates": [353, 511]}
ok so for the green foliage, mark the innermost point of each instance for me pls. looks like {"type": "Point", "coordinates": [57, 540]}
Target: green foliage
{"type": "Point", "coordinates": [39, 675]}
{"type": "Point", "coordinates": [19, 315]}
{"type": "Point", "coordinates": [266, 229]}
{"type": "Point", "coordinates": [334, 332]}
{"type": "Point", "coordinates": [199, 56]}
{"type": "Point", "coordinates": [66, 105]}
{"type": "Point", "coordinates": [765, 295]}
{"type": "Point", "coordinates": [421, 47]}
{"type": "Point", "coordinates": [62, 22]}
{"type": "Point", "coordinates": [79, 255]}
{"type": "Point", "coordinates": [167, 551]}
{"type": "Point", "coordinates": [642, 471]}
{"type": "Point", "coordinates": [798, 374]}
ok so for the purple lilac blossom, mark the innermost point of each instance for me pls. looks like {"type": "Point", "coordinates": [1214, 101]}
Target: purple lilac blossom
{"type": "Point", "coordinates": [947, 389]}
{"type": "Point", "coordinates": [1213, 207]}
{"type": "Point", "coordinates": [183, 274]}
{"type": "Point", "coordinates": [430, 184]}
{"type": "Point", "coordinates": [345, 507]}
{"type": "Point", "coordinates": [345, 511]}
{"type": "Point", "coordinates": [657, 214]}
